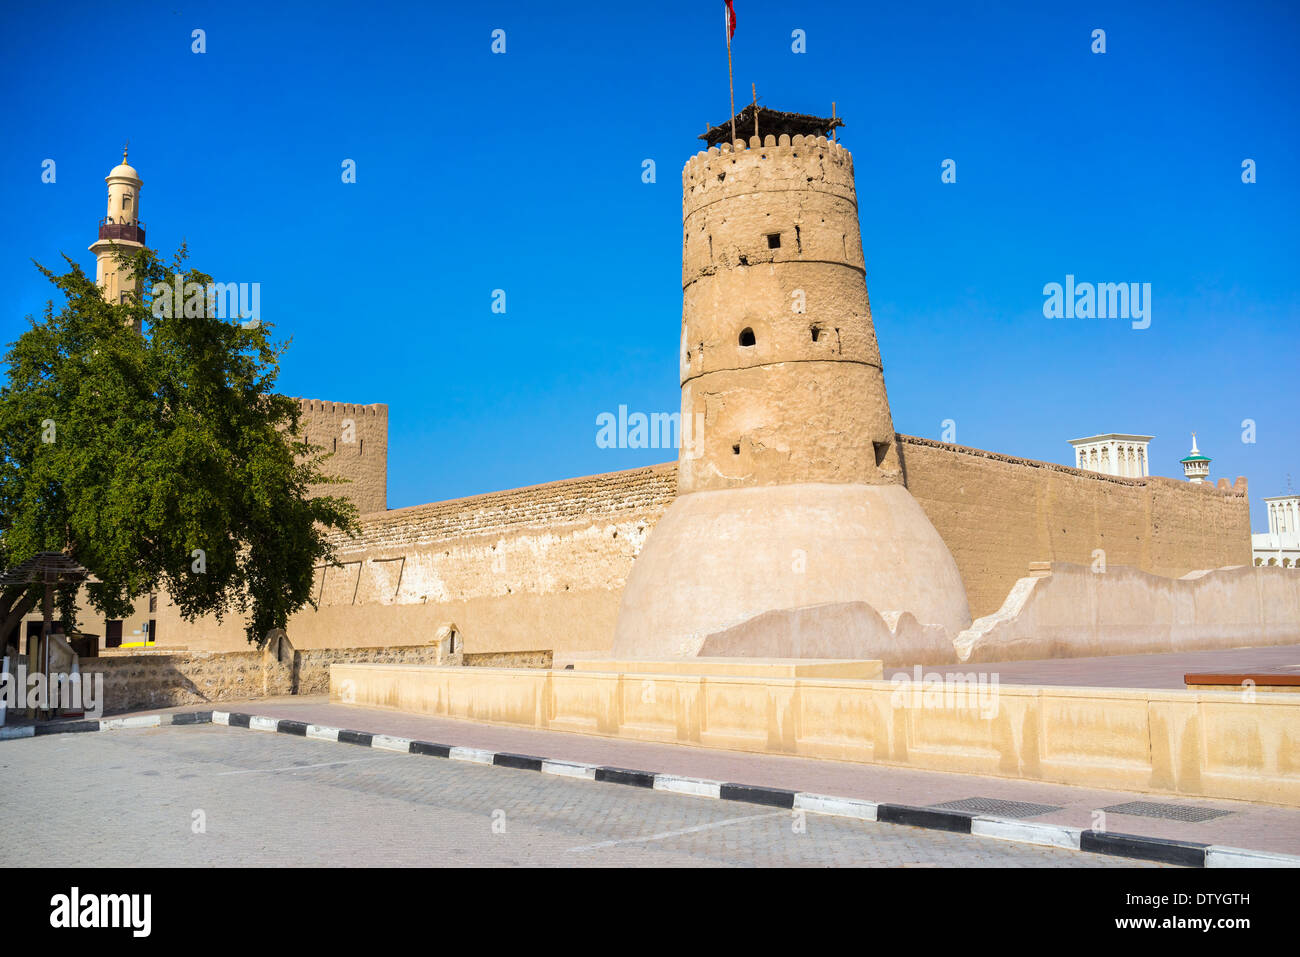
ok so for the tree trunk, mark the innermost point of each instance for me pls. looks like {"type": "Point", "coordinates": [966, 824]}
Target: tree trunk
{"type": "Point", "coordinates": [15, 614]}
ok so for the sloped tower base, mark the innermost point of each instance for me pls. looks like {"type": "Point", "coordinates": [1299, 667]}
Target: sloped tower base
{"type": "Point", "coordinates": [718, 558]}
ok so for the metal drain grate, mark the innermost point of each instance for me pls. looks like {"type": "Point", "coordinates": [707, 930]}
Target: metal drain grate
{"type": "Point", "coordinates": [995, 807]}
{"type": "Point", "coordinates": [1167, 812]}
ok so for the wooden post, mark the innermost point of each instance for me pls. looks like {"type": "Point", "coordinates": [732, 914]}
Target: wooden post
{"type": "Point", "coordinates": [753, 90]}
{"type": "Point", "coordinates": [43, 649]}
{"type": "Point", "coordinates": [833, 130]}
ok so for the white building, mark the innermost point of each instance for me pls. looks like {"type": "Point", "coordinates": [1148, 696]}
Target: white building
{"type": "Point", "coordinates": [1113, 454]}
{"type": "Point", "coordinates": [1280, 545]}
{"type": "Point", "coordinates": [1196, 466]}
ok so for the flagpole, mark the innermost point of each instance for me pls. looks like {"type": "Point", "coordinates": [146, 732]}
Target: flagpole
{"type": "Point", "coordinates": [731, 84]}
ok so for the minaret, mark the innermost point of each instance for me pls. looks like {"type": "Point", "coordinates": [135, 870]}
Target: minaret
{"type": "Point", "coordinates": [791, 494]}
{"type": "Point", "coordinates": [1196, 466]}
{"type": "Point", "coordinates": [120, 230]}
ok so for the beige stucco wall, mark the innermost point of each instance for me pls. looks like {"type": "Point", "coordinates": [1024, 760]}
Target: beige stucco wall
{"type": "Point", "coordinates": [1203, 744]}
{"type": "Point", "coordinates": [845, 630]}
{"type": "Point", "coordinates": [1076, 611]}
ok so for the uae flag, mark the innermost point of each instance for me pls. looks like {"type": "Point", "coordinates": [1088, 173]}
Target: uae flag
{"type": "Point", "coordinates": [729, 15]}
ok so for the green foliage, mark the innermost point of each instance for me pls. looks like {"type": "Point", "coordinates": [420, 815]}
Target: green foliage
{"type": "Point", "coordinates": [166, 444]}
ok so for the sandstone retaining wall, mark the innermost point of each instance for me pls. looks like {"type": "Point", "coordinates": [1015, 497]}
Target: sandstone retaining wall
{"type": "Point", "coordinates": [154, 680]}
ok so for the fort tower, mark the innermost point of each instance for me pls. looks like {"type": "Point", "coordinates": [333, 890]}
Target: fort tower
{"type": "Point", "coordinates": [792, 494]}
{"type": "Point", "coordinates": [119, 231]}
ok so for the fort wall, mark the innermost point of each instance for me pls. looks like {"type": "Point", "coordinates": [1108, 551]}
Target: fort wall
{"type": "Point", "coordinates": [997, 513]}
{"type": "Point", "coordinates": [530, 569]}
{"type": "Point", "coordinates": [543, 568]}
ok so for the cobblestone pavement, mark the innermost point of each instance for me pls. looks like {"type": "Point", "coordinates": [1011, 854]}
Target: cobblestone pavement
{"type": "Point", "coordinates": [215, 796]}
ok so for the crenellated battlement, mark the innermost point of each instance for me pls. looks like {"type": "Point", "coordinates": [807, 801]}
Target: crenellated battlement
{"type": "Point", "coordinates": [803, 162]}
{"type": "Point", "coordinates": [770, 143]}
{"type": "Point", "coordinates": [325, 407]}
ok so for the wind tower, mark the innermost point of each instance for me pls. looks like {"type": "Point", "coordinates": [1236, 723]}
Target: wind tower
{"type": "Point", "coordinates": [790, 486]}
{"type": "Point", "coordinates": [119, 231]}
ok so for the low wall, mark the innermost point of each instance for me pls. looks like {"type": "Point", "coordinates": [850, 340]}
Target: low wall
{"type": "Point", "coordinates": [845, 630]}
{"type": "Point", "coordinates": [133, 682]}
{"type": "Point", "coordinates": [1203, 744]}
{"type": "Point", "coordinates": [510, 659]}
{"type": "Point", "coordinates": [312, 665]}
{"type": "Point", "coordinates": [154, 680]}
{"type": "Point", "coordinates": [1074, 612]}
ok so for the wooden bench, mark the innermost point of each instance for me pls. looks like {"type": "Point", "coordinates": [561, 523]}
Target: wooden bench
{"type": "Point", "coordinates": [1269, 679]}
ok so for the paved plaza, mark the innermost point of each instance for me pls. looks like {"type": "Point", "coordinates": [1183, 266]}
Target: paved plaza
{"type": "Point", "coordinates": [208, 795]}
{"type": "Point", "coordinates": [1226, 823]}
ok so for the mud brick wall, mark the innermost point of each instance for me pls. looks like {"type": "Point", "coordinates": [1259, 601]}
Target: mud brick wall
{"type": "Point", "coordinates": [532, 568]}
{"type": "Point", "coordinates": [998, 513]}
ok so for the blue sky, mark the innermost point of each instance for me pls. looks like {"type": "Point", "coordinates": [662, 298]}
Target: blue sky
{"type": "Point", "coordinates": [522, 172]}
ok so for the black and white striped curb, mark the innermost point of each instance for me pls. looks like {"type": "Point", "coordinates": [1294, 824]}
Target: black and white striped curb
{"type": "Point", "coordinates": [1162, 850]}
{"type": "Point", "coordinates": [106, 724]}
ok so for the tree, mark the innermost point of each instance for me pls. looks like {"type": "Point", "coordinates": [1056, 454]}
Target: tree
{"type": "Point", "coordinates": [160, 457]}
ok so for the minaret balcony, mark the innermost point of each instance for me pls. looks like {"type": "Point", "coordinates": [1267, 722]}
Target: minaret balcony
{"type": "Point", "coordinates": [131, 232]}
